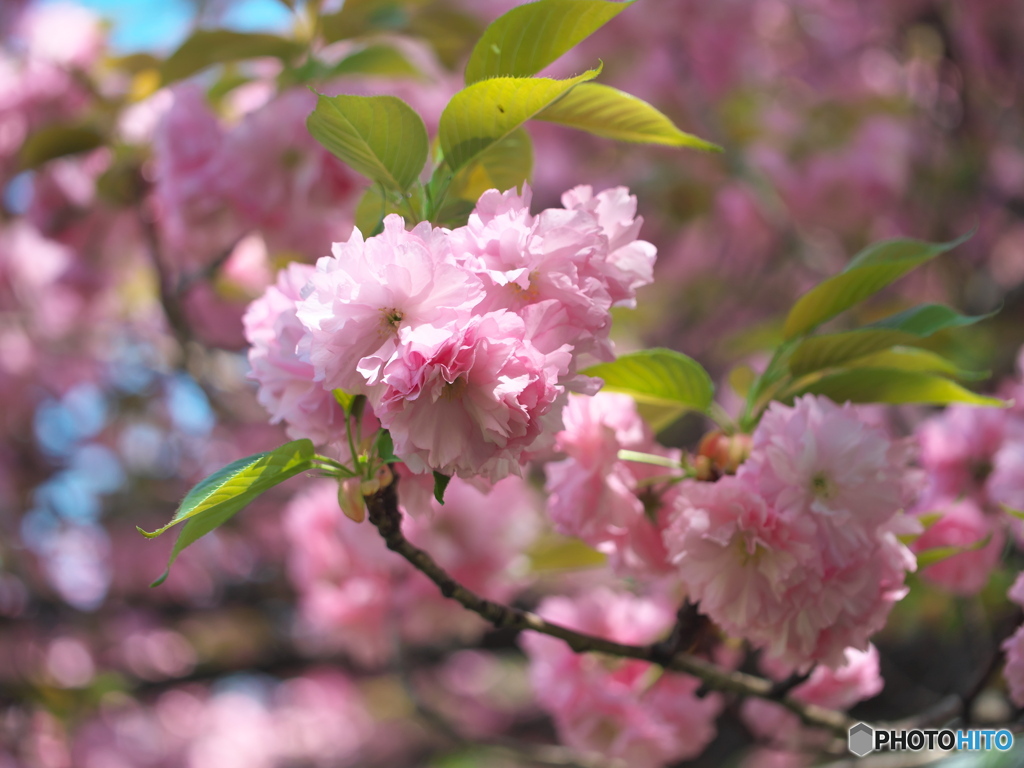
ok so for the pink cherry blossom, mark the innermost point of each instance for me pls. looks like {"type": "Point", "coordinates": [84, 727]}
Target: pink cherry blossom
{"type": "Point", "coordinates": [187, 143]}
{"type": "Point", "coordinates": [366, 297]}
{"type": "Point", "coordinates": [468, 400]}
{"type": "Point", "coordinates": [597, 497]}
{"type": "Point", "coordinates": [287, 388]}
{"type": "Point", "coordinates": [740, 557]}
{"type": "Point", "coordinates": [958, 447]}
{"type": "Point", "coordinates": [962, 524]}
{"type": "Point", "coordinates": [618, 708]}
{"type": "Point", "coordinates": [773, 576]}
{"type": "Point", "coordinates": [1013, 647]}
{"type": "Point", "coordinates": [536, 266]}
{"type": "Point", "coordinates": [821, 459]}
{"type": "Point", "coordinates": [857, 679]}
{"type": "Point", "coordinates": [629, 263]}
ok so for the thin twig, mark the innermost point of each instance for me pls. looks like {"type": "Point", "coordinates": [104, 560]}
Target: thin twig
{"type": "Point", "coordinates": [384, 514]}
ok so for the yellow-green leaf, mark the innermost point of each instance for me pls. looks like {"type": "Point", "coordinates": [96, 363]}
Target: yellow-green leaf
{"type": "Point", "coordinates": [528, 38]}
{"type": "Point", "coordinates": [665, 383]}
{"type": "Point", "coordinates": [381, 137]}
{"type": "Point", "coordinates": [486, 112]}
{"type": "Point", "coordinates": [560, 553]}
{"type": "Point", "coordinates": [53, 141]}
{"type": "Point", "coordinates": [871, 270]}
{"type": "Point", "coordinates": [206, 47]}
{"type": "Point", "coordinates": [886, 385]}
{"type": "Point", "coordinates": [373, 206]}
{"type": "Point", "coordinates": [504, 165]}
{"type": "Point", "coordinates": [214, 500]}
{"type": "Point", "coordinates": [938, 554]}
{"type": "Point", "coordinates": [614, 114]}
{"type": "Point", "coordinates": [905, 328]}
{"type": "Point", "coordinates": [915, 359]}
{"type": "Point", "coordinates": [375, 60]}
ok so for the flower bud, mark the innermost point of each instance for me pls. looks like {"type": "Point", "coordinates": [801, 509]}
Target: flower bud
{"type": "Point", "coordinates": [726, 452]}
{"type": "Point", "coordinates": [350, 498]}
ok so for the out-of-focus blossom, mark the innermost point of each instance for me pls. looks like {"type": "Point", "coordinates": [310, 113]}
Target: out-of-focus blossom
{"type": "Point", "coordinates": [856, 680]}
{"type": "Point", "coordinates": [597, 497]}
{"type": "Point", "coordinates": [962, 524]}
{"type": "Point", "coordinates": [618, 708]}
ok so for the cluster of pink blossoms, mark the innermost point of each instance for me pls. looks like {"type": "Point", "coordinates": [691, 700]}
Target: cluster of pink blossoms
{"type": "Point", "coordinates": [464, 341]}
{"type": "Point", "coordinates": [973, 461]}
{"type": "Point", "coordinates": [797, 553]}
{"type": "Point", "coordinates": [619, 708]}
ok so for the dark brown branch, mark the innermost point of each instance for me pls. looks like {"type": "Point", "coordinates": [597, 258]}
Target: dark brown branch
{"type": "Point", "coordinates": [384, 514]}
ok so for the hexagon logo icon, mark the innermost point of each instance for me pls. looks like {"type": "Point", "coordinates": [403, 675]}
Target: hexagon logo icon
{"type": "Point", "coordinates": [861, 740]}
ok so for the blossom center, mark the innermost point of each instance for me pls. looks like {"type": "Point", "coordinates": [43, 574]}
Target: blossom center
{"type": "Point", "coordinates": [528, 294]}
{"type": "Point", "coordinates": [822, 486]}
{"type": "Point", "coordinates": [390, 319]}
{"type": "Point", "coordinates": [453, 390]}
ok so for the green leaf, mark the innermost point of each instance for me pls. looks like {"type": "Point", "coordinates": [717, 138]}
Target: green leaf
{"type": "Point", "coordinates": [871, 270]}
{"type": "Point", "coordinates": [352, 405]}
{"type": "Point", "coordinates": [669, 382]}
{"type": "Point", "coordinates": [885, 385]}
{"type": "Point", "coordinates": [57, 140]}
{"type": "Point", "coordinates": [440, 484]}
{"type": "Point", "coordinates": [359, 17]}
{"type": "Point", "coordinates": [528, 38]}
{"type": "Point", "coordinates": [905, 328]}
{"type": "Point", "coordinates": [375, 60]}
{"type": "Point", "coordinates": [553, 552]}
{"type": "Point", "coordinates": [614, 114]}
{"type": "Point", "coordinates": [206, 47]}
{"type": "Point", "coordinates": [504, 165]}
{"type": "Point", "coordinates": [914, 359]}
{"type": "Point", "coordinates": [938, 554]}
{"type": "Point", "coordinates": [373, 206]}
{"type": "Point", "coordinates": [1012, 512]}
{"type": "Point", "coordinates": [385, 447]}
{"type": "Point", "coordinates": [381, 137]}
{"type": "Point", "coordinates": [484, 113]}
{"type": "Point", "coordinates": [927, 319]}
{"type": "Point", "coordinates": [214, 500]}
{"type": "Point", "coordinates": [926, 520]}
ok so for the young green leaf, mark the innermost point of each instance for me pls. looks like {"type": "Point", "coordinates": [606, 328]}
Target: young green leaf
{"type": "Point", "coordinates": [905, 328]}
{"type": "Point", "coordinates": [484, 113]}
{"type": "Point", "coordinates": [359, 17]}
{"type": "Point", "coordinates": [928, 319]}
{"type": "Point", "coordinates": [870, 271]}
{"type": "Point", "coordinates": [553, 552]}
{"type": "Point", "coordinates": [883, 385]}
{"type": "Point", "coordinates": [938, 554]}
{"type": "Point", "coordinates": [373, 206]}
{"type": "Point", "coordinates": [915, 359]}
{"type": "Point", "coordinates": [668, 382]}
{"type": "Point", "coordinates": [385, 447]}
{"type": "Point", "coordinates": [206, 47]}
{"type": "Point", "coordinates": [528, 38]}
{"type": "Point", "coordinates": [614, 114]}
{"type": "Point", "coordinates": [381, 137]}
{"type": "Point", "coordinates": [440, 484]}
{"type": "Point", "coordinates": [375, 60]}
{"type": "Point", "coordinates": [222, 494]}
{"type": "Point", "coordinates": [504, 165]}
{"type": "Point", "coordinates": [57, 140]}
